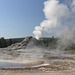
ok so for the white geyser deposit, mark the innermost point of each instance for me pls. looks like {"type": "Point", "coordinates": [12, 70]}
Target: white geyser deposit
{"type": "Point", "coordinates": [60, 21]}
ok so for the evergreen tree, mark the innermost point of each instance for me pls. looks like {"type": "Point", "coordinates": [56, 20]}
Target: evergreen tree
{"type": "Point", "coordinates": [0, 44]}
{"type": "Point", "coordinates": [3, 41]}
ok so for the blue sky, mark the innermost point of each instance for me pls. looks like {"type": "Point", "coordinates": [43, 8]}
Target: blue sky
{"type": "Point", "coordinates": [18, 18]}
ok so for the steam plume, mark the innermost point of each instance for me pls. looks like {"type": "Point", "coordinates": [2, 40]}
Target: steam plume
{"type": "Point", "coordinates": [59, 17]}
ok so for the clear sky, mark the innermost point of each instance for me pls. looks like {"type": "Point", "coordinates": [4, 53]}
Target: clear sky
{"type": "Point", "coordinates": [18, 18]}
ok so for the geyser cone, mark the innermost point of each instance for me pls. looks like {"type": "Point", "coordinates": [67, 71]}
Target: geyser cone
{"type": "Point", "coordinates": [34, 49]}
{"type": "Point", "coordinates": [31, 42]}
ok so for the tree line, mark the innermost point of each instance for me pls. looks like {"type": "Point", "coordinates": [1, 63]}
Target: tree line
{"type": "Point", "coordinates": [50, 42]}
{"type": "Point", "coordinates": [4, 43]}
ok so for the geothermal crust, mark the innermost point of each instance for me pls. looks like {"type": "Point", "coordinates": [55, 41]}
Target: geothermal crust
{"type": "Point", "coordinates": [33, 54]}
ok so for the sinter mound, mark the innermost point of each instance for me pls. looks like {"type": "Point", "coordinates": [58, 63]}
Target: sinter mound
{"type": "Point", "coordinates": [28, 42]}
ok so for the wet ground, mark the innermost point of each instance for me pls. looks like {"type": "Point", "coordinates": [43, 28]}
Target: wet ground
{"type": "Point", "coordinates": [54, 66]}
{"type": "Point", "coordinates": [40, 66]}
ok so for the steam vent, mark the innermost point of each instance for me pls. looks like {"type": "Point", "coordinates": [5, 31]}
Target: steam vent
{"type": "Point", "coordinates": [31, 54]}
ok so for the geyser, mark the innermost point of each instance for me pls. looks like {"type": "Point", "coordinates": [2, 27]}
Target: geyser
{"type": "Point", "coordinates": [60, 21]}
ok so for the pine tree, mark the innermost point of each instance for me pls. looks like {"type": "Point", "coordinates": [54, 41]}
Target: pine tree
{"type": "Point", "coordinates": [0, 44]}
{"type": "Point", "coordinates": [3, 41]}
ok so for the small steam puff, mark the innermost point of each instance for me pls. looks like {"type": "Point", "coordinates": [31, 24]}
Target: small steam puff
{"type": "Point", "coordinates": [59, 16]}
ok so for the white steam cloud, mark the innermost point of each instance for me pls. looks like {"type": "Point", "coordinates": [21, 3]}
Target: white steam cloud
{"type": "Point", "coordinates": [59, 16]}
